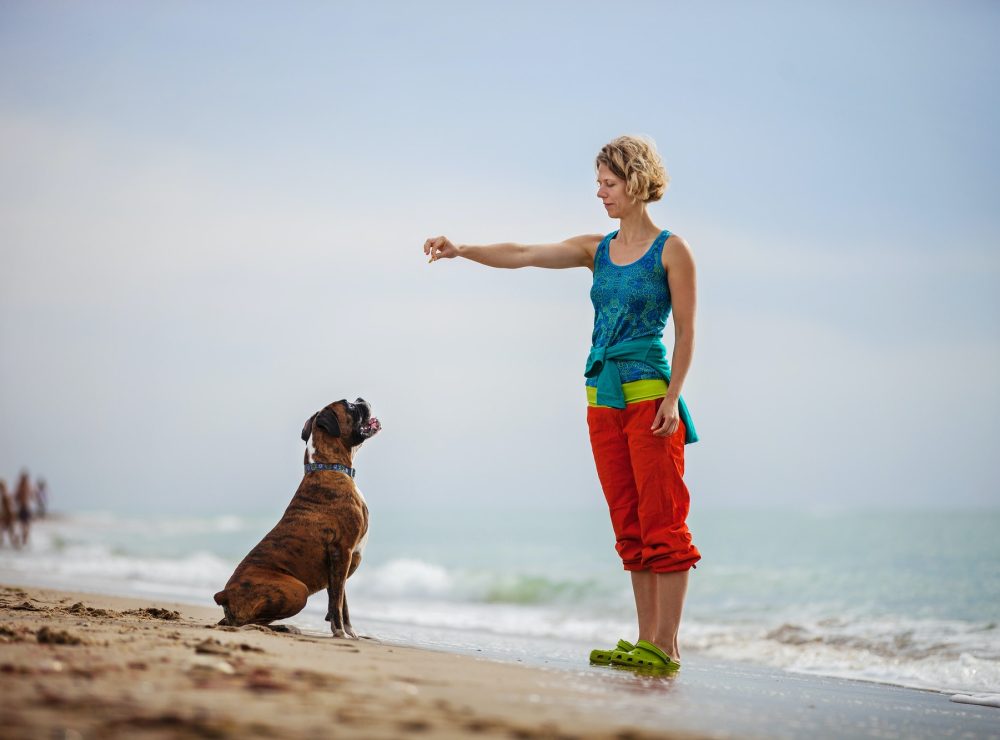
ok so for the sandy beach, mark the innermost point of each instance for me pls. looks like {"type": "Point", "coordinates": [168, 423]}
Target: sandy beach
{"type": "Point", "coordinates": [76, 665]}
{"type": "Point", "coordinates": [86, 665]}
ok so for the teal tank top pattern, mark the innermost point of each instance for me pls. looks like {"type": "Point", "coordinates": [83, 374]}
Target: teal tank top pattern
{"type": "Point", "coordinates": [630, 301]}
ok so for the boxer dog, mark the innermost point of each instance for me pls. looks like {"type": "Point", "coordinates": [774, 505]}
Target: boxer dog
{"type": "Point", "coordinates": [318, 542]}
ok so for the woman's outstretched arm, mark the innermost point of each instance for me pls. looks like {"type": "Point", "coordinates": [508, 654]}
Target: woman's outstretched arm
{"type": "Point", "coordinates": [577, 251]}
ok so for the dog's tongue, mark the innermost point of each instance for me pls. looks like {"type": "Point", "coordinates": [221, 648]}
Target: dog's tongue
{"type": "Point", "coordinates": [371, 426]}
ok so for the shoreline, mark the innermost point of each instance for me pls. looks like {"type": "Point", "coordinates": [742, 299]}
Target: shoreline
{"type": "Point", "coordinates": [140, 671]}
{"type": "Point", "coordinates": [428, 638]}
{"type": "Point", "coordinates": [503, 603]}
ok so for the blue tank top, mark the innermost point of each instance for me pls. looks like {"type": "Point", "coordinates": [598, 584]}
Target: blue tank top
{"type": "Point", "coordinates": [630, 301]}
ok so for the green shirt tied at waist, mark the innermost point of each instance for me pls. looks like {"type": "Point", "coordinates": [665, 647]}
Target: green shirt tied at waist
{"type": "Point", "coordinates": [609, 384]}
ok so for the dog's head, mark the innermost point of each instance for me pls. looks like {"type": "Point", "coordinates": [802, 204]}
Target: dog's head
{"type": "Point", "coordinates": [340, 426]}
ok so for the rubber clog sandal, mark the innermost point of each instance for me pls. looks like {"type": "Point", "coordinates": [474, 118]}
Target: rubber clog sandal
{"type": "Point", "coordinates": [645, 655]}
{"type": "Point", "coordinates": [603, 657]}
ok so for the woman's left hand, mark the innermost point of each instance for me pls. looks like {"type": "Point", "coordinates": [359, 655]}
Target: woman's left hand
{"type": "Point", "coordinates": [667, 418]}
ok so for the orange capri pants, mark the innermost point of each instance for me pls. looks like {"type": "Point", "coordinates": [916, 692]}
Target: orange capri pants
{"type": "Point", "coordinates": [642, 478]}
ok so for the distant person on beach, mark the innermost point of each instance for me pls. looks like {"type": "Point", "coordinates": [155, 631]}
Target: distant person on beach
{"type": "Point", "coordinates": [638, 422]}
{"type": "Point", "coordinates": [41, 498]}
{"type": "Point", "coordinates": [6, 515]}
{"type": "Point", "coordinates": [22, 500]}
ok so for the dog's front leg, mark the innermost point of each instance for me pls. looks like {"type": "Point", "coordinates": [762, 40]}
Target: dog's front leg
{"type": "Point", "coordinates": [339, 563]}
{"type": "Point", "coordinates": [347, 620]}
{"type": "Point", "coordinates": [355, 562]}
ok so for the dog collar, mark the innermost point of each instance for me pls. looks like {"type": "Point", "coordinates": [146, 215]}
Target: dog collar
{"type": "Point", "coordinates": [310, 467]}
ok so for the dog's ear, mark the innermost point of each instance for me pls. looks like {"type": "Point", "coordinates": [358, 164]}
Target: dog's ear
{"type": "Point", "coordinates": [328, 422]}
{"type": "Point", "coordinates": [307, 430]}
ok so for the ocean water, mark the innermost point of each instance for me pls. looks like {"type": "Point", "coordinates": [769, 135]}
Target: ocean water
{"type": "Point", "coordinates": [910, 598]}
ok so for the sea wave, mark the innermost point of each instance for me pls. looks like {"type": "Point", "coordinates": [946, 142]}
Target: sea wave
{"type": "Point", "coordinates": [79, 564]}
{"type": "Point", "coordinates": [407, 577]}
{"type": "Point", "coordinates": [938, 655]}
{"type": "Point", "coordinates": [59, 552]}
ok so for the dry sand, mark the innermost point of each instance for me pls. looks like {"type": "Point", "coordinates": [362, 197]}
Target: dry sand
{"type": "Point", "coordinates": [86, 666]}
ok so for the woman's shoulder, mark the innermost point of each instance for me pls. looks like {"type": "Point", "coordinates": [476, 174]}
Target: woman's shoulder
{"type": "Point", "coordinates": [675, 242]}
{"type": "Point", "coordinates": [676, 250]}
{"type": "Point", "coordinates": [589, 242]}
{"type": "Point", "coordinates": [593, 240]}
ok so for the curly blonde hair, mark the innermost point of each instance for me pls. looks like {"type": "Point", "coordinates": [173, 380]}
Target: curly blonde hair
{"type": "Point", "coordinates": [635, 160]}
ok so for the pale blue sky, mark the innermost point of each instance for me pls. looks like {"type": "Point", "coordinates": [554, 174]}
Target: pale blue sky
{"type": "Point", "coordinates": [211, 219]}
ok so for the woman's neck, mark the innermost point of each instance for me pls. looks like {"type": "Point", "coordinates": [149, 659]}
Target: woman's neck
{"type": "Point", "coordinates": [637, 227]}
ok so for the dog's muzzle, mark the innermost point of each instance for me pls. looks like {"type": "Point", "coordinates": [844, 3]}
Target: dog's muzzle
{"type": "Point", "coordinates": [370, 427]}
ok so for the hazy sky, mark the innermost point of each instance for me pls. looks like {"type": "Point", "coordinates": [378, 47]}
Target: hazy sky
{"type": "Point", "coordinates": [211, 219]}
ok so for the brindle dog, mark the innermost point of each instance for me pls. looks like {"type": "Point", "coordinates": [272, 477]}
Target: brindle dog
{"type": "Point", "coordinates": [318, 542]}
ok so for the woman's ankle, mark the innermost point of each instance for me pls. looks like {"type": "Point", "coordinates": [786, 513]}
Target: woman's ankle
{"type": "Point", "coordinates": [670, 647]}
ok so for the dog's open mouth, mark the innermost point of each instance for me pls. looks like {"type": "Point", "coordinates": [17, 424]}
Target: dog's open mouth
{"type": "Point", "coordinates": [370, 427]}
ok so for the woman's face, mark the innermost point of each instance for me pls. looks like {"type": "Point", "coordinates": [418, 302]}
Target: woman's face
{"type": "Point", "coordinates": [611, 191]}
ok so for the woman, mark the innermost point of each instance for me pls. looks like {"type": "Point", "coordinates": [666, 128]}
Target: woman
{"type": "Point", "coordinates": [638, 422]}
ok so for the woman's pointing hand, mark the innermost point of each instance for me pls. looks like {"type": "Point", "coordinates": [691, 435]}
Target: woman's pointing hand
{"type": "Point", "coordinates": [439, 247]}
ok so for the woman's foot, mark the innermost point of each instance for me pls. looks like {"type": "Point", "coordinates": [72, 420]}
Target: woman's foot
{"type": "Point", "coordinates": [603, 657]}
{"type": "Point", "coordinates": [647, 656]}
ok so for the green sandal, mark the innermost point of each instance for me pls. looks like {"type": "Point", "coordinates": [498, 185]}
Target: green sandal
{"type": "Point", "coordinates": [645, 655]}
{"type": "Point", "coordinates": [603, 657]}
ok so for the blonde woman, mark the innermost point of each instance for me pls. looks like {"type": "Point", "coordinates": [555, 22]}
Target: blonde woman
{"type": "Point", "coordinates": [637, 420]}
